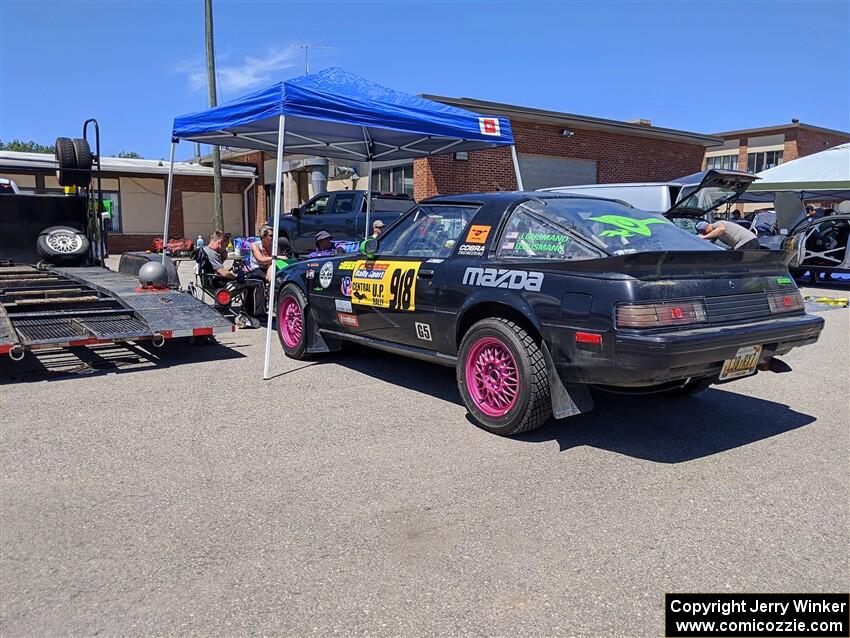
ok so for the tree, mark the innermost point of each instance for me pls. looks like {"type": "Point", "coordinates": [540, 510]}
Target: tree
{"type": "Point", "coordinates": [25, 147]}
{"type": "Point", "coordinates": [129, 155]}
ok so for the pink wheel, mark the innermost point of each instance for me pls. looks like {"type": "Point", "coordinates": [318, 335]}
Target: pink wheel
{"type": "Point", "coordinates": [492, 377]}
{"type": "Point", "coordinates": [290, 321]}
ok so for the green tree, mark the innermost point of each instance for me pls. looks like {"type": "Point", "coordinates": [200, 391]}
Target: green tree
{"type": "Point", "coordinates": [25, 147]}
{"type": "Point", "coordinates": [129, 155]}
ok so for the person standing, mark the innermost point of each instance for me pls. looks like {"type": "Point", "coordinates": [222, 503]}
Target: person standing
{"type": "Point", "coordinates": [734, 236]}
{"type": "Point", "coordinates": [377, 227]}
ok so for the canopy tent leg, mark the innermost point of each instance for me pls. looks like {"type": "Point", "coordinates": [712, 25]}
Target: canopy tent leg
{"type": "Point", "coordinates": [516, 168]}
{"type": "Point", "coordinates": [369, 203]}
{"type": "Point", "coordinates": [281, 132]}
{"type": "Point", "coordinates": [168, 199]}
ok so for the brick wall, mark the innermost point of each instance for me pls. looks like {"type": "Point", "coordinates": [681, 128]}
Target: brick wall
{"type": "Point", "coordinates": [809, 142]}
{"type": "Point", "coordinates": [619, 158]}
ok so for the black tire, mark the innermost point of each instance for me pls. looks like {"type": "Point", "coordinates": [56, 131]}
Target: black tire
{"type": "Point", "coordinates": [292, 294]}
{"type": "Point", "coordinates": [66, 159]}
{"type": "Point", "coordinates": [284, 247]}
{"type": "Point", "coordinates": [82, 153]}
{"type": "Point", "coordinates": [532, 406]}
{"type": "Point", "coordinates": [62, 245]}
{"type": "Point", "coordinates": [689, 389]}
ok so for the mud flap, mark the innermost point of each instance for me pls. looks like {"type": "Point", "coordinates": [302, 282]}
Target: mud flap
{"type": "Point", "coordinates": [566, 400]}
{"type": "Point", "coordinates": [317, 343]}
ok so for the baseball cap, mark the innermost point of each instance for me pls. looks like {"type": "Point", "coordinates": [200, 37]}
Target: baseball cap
{"type": "Point", "coordinates": [701, 225]}
{"type": "Point", "coordinates": [810, 207]}
{"type": "Point", "coordinates": [323, 234]}
{"type": "Point", "coordinates": [377, 224]}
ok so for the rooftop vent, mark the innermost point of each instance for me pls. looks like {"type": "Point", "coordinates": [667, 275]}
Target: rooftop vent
{"type": "Point", "coordinates": [640, 121]}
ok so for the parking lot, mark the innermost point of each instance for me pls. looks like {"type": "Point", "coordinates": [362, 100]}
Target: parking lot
{"type": "Point", "coordinates": [172, 491]}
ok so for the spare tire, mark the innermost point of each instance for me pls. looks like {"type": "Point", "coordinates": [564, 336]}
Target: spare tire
{"type": "Point", "coordinates": [66, 160]}
{"type": "Point", "coordinates": [82, 153]}
{"type": "Point", "coordinates": [62, 245]}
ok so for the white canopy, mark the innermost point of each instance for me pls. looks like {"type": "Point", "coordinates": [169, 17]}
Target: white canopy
{"type": "Point", "coordinates": [828, 170]}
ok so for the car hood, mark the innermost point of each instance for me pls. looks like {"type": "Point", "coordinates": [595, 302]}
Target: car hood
{"type": "Point", "coordinates": [705, 191]}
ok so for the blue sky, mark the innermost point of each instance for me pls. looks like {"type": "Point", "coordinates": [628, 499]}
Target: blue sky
{"type": "Point", "coordinates": [699, 66]}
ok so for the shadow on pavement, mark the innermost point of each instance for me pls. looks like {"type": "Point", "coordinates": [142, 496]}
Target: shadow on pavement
{"type": "Point", "coordinates": [664, 430]}
{"type": "Point", "coordinates": [68, 363]}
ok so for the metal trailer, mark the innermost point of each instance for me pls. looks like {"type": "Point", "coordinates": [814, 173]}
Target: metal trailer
{"type": "Point", "coordinates": [47, 306]}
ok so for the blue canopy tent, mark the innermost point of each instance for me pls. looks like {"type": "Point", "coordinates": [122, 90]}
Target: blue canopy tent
{"type": "Point", "coordinates": [334, 113]}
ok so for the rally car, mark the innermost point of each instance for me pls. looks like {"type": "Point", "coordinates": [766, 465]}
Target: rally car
{"type": "Point", "coordinates": [537, 297]}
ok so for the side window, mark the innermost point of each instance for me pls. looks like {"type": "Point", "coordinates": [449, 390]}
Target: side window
{"type": "Point", "coordinates": [343, 203]}
{"type": "Point", "coordinates": [528, 237]}
{"type": "Point", "coordinates": [317, 206]}
{"type": "Point", "coordinates": [428, 231]}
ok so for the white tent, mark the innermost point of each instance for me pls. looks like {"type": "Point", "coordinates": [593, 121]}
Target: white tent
{"type": "Point", "coordinates": [828, 170]}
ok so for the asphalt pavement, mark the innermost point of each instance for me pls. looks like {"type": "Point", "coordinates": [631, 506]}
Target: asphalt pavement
{"type": "Point", "coordinates": [172, 492]}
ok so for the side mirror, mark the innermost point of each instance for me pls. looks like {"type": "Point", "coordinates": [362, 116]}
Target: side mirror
{"type": "Point", "coordinates": [296, 212]}
{"type": "Point", "coordinates": [370, 247]}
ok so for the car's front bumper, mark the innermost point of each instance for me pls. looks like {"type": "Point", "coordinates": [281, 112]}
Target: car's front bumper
{"type": "Point", "coordinates": [633, 359]}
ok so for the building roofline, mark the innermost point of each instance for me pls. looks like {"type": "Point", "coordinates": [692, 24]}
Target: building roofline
{"type": "Point", "coordinates": [44, 162]}
{"type": "Point", "coordinates": [780, 127]}
{"type": "Point", "coordinates": [542, 116]}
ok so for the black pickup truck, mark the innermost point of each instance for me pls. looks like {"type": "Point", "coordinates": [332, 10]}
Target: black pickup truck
{"type": "Point", "coordinates": [341, 213]}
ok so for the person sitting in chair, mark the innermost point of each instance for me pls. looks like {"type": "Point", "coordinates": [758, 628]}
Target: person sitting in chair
{"type": "Point", "coordinates": [261, 255]}
{"type": "Point", "coordinates": [213, 253]}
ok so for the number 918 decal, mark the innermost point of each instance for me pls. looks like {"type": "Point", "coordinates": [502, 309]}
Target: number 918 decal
{"type": "Point", "coordinates": [385, 284]}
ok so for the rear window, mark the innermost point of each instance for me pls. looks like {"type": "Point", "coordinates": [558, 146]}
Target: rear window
{"type": "Point", "coordinates": [616, 228]}
{"type": "Point", "coordinates": [391, 204]}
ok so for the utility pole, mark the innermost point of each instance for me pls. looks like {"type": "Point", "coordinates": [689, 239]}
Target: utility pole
{"type": "Point", "coordinates": [218, 212]}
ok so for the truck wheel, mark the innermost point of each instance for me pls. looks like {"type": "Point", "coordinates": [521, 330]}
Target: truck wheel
{"type": "Point", "coordinates": [284, 247]}
{"type": "Point", "coordinates": [66, 161]}
{"type": "Point", "coordinates": [82, 153]}
{"type": "Point", "coordinates": [292, 322]}
{"type": "Point", "coordinates": [502, 378]}
{"type": "Point", "coordinates": [62, 245]}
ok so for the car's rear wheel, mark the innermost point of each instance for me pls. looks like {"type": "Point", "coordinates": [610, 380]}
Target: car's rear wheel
{"type": "Point", "coordinates": [292, 321]}
{"type": "Point", "coordinates": [502, 378]}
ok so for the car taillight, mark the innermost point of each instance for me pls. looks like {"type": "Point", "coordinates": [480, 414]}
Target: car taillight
{"type": "Point", "coordinates": [785, 301]}
{"type": "Point", "coordinates": [223, 297]}
{"type": "Point", "coordinates": [659, 315]}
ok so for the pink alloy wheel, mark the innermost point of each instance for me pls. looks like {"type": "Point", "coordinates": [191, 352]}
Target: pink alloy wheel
{"type": "Point", "coordinates": [290, 323]}
{"type": "Point", "coordinates": [492, 379]}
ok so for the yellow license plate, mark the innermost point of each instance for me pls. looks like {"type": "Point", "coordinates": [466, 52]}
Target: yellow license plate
{"type": "Point", "coordinates": [742, 364]}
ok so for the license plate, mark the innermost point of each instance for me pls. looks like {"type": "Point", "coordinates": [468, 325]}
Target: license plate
{"type": "Point", "coordinates": [743, 363]}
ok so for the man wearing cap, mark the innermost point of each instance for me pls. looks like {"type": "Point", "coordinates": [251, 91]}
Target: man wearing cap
{"type": "Point", "coordinates": [733, 235]}
{"type": "Point", "coordinates": [813, 214]}
{"type": "Point", "coordinates": [324, 245]}
{"type": "Point", "coordinates": [377, 227]}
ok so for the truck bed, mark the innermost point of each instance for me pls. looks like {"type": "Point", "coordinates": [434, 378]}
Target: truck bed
{"type": "Point", "coordinates": [66, 307]}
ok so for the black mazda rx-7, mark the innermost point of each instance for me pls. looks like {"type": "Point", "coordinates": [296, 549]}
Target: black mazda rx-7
{"type": "Point", "coordinates": [537, 297]}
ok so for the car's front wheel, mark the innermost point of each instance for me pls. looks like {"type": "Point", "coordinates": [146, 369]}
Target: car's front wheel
{"type": "Point", "coordinates": [502, 378]}
{"type": "Point", "coordinates": [292, 321]}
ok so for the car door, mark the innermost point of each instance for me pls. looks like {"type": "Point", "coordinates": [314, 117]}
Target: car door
{"type": "Point", "coordinates": [395, 293]}
{"type": "Point", "coordinates": [312, 220]}
{"type": "Point", "coordinates": [340, 216]}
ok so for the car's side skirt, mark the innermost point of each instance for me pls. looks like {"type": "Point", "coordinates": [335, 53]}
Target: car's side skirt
{"type": "Point", "coordinates": [396, 348]}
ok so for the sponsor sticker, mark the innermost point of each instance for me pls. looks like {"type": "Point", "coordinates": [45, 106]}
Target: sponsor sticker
{"type": "Point", "coordinates": [502, 278]}
{"type": "Point", "coordinates": [489, 126]}
{"type": "Point", "coordinates": [345, 286]}
{"type": "Point", "coordinates": [343, 305]}
{"type": "Point", "coordinates": [347, 265]}
{"type": "Point", "coordinates": [310, 274]}
{"type": "Point", "coordinates": [474, 250]}
{"type": "Point", "coordinates": [785, 281]}
{"type": "Point", "coordinates": [385, 284]}
{"type": "Point", "coordinates": [347, 320]}
{"type": "Point", "coordinates": [477, 234]}
{"type": "Point", "coordinates": [326, 274]}
{"type": "Point", "coordinates": [423, 331]}
{"type": "Point", "coordinates": [435, 260]}
{"type": "Point", "coordinates": [627, 226]}
{"type": "Point", "coordinates": [313, 264]}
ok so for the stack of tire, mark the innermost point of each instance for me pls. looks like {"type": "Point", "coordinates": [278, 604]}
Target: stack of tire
{"type": "Point", "coordinates": [66, 245]}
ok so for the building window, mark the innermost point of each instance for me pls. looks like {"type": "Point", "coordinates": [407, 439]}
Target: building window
{"type": "Point", "coordinates": [758, 162]}
{"type": "Point", "coordinates": [722, 162]}
{"type": "Point", "coordinates": [394, 179]}
{"type": "Point", "coordinates": [114, 206]}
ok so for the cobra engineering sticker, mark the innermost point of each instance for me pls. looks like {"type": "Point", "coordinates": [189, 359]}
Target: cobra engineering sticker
{"type": "Point", "coordinates": [385, 284]}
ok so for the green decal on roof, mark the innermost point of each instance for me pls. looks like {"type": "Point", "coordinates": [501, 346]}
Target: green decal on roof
{"type": "Point", "coordinates": [783, 280]}
{"type": "Point", "coordinates": [627, 226]}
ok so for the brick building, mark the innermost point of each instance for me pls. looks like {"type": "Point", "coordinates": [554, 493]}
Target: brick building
{"type": "Point", "coordinates": [757, 149]}
{"type": "Point", "coordinates": [136, 188]}
{"type": "Point", "coordinates": [557, 149]}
